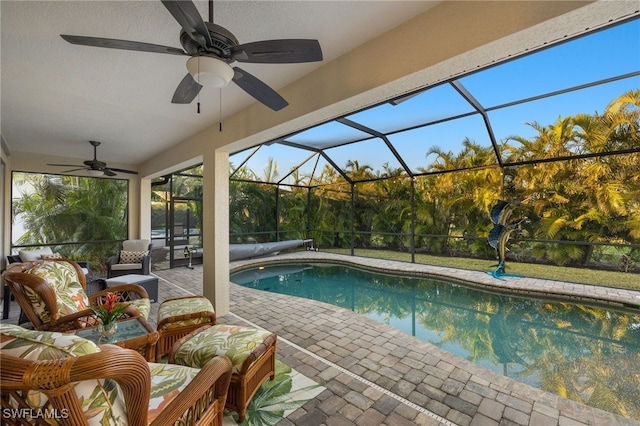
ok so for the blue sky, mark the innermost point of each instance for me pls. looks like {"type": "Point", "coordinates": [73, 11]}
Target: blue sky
{"type": "Point", "coordinates": [601, 55]}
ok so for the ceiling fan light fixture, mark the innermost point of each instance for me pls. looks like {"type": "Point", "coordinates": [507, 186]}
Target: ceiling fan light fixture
{"type": "Point", "coordinates": [95, 173]}
{"type": "Point", "coordinates": [209, 72]}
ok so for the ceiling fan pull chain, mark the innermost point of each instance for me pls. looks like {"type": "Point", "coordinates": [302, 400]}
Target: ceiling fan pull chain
{"type": "Point", "coordinates": [198, 83]}
{"type": "Point", "coordinates": [220, 112]}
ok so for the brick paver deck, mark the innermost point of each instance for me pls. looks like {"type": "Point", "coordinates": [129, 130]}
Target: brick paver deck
{"type": "Point", "coordinates": [377, 375]}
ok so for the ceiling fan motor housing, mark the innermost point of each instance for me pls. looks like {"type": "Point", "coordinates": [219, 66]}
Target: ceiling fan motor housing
{"type": "Point", "coordinates": [95, 164]}
{"type": "Point", "coordinates": [222, 40]}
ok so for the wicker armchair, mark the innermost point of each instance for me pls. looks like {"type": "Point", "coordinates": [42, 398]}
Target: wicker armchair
{"type": "Point", "coordinates": [72, 381]}
{"type": "Point", "coordinates": [67, 306]}
{"type": "Point", "coordinates": [134, 257]}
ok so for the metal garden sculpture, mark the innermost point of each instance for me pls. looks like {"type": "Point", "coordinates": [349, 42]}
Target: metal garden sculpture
{"type": "Point", "coordinates": [499, 235]}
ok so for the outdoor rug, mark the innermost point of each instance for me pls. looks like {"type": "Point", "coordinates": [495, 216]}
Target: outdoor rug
{"type": "Point", "coordinates": [277, 398]}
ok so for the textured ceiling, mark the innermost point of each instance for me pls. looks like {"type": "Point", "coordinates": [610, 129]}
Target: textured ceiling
{"type": "Point", "coordinates": [57, 96]}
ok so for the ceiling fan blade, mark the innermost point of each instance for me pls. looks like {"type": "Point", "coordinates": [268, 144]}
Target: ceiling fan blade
{"type": "Point", "coordinates": [108, 172]}
{"type": "Point", "coordinates": [112, 169]}
{"type": "Point", "coordinates": [112, 43]}
{"type": "Point", "coordinates": [258, 89]}
{"type": "Point", "coordinates": [286, 51]}
{"type": "Point", "coordinates": [186, 91]}
{"type": "Point", "coordinates": [187, 15]}
{"type": "Point", "coordinates": [65, 165]}
{"type": "Point", "coordinates": [74, 170]}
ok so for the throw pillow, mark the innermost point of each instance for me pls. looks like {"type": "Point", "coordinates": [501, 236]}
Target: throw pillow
{"type": "Point", "coordinates": [132, 256]}
{"type": "Point", "coordinates": [51, 256]}
{"type": "Point", "coordinates": [31, 255]}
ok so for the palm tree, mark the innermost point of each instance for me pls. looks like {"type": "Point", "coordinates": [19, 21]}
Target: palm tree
{"type": "Point", "coordinates": [252, 209]}
{"type": "Point", "coordinates": [331, 214]}
{"type": "Point", "coordinates": [593, 199]}
{"type": "Point", "coordinates": [392, 213]}
{"type": "Point", "coordinates": [463, 202]}
{"type": "Point", "coordinates": [270, 172]}
{"type": "Point", "coordinates": [57, 209]}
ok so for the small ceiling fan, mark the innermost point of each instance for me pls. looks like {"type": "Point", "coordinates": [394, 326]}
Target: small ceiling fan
{"type": "Point", "coordinates": [95, 167]}
{"type": "Point", "coordinates": [212, 50]}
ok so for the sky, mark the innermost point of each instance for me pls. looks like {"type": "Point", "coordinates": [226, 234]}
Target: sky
{"type": "Point", "coordinates": [600, 55]}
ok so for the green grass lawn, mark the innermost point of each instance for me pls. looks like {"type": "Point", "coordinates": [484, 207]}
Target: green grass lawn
{"type": "Point", "coordinates": [560, 273]}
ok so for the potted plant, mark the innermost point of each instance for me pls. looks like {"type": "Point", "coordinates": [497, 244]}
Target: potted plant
{"type": "Point", "coordinates": [108, 313]}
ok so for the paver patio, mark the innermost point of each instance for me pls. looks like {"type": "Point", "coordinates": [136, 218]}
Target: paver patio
{"type": "Point", "coordinates": [377, 375]}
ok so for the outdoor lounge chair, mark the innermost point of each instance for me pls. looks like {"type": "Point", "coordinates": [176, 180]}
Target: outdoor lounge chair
{"type": "Point", "coordinates": [133, 258]}
{"type": "Point", "coordinates": [52, 295]}
{"type": "Point", "coordinates": [72, 381]}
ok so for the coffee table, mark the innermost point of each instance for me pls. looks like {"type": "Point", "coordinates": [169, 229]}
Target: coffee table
{"type": "Point", "coordinates": [134, 333]}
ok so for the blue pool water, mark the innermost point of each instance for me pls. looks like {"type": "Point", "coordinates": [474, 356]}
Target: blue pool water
{"type": "Point", "coordinates": [585, 353]}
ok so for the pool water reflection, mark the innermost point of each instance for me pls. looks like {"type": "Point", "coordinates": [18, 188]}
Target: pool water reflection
{"type": "Point", "coordinates": [585, 353]}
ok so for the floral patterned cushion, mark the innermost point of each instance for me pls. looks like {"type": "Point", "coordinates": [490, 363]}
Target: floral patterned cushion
{"type": "Point", "coordinates": [100, 398]}
{"type": "Point", "coordinates": [63, 278]}
{"type": "Point", "coordinates": [191, 305]}
{"type": "Point", "coordinates": [143, 306]}
{"type": "Point", "coordinates": [167, 381]}
{"type": "Point", "coordinates": [234, 342]}
{"type": "Point", "coordinates": [35, 345]}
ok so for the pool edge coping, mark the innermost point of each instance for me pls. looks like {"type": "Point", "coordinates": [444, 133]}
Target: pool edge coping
{"type": "Point", "coordinates": [619, 298]}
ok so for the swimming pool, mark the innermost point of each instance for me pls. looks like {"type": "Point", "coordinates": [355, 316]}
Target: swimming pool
{"type": "Point", "coordinates": [586, 353]}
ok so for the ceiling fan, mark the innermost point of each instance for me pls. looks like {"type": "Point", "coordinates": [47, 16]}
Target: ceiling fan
{"type": "Point", "coordinates": [95, 167]}
{"type": "Point", "coordinates": [212, 50]}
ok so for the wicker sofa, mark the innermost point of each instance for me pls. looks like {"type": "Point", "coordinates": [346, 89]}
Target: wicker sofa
{"type": "Point", "coordinates": [71, 381]}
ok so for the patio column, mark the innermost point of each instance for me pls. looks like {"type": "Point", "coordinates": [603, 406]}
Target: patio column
{"type": "Point", "coordinates": [135, 201]}
{"type": "Point", "coordinates": [144, 210]}
{"type": "Point", "coordinates": [215, 229]}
